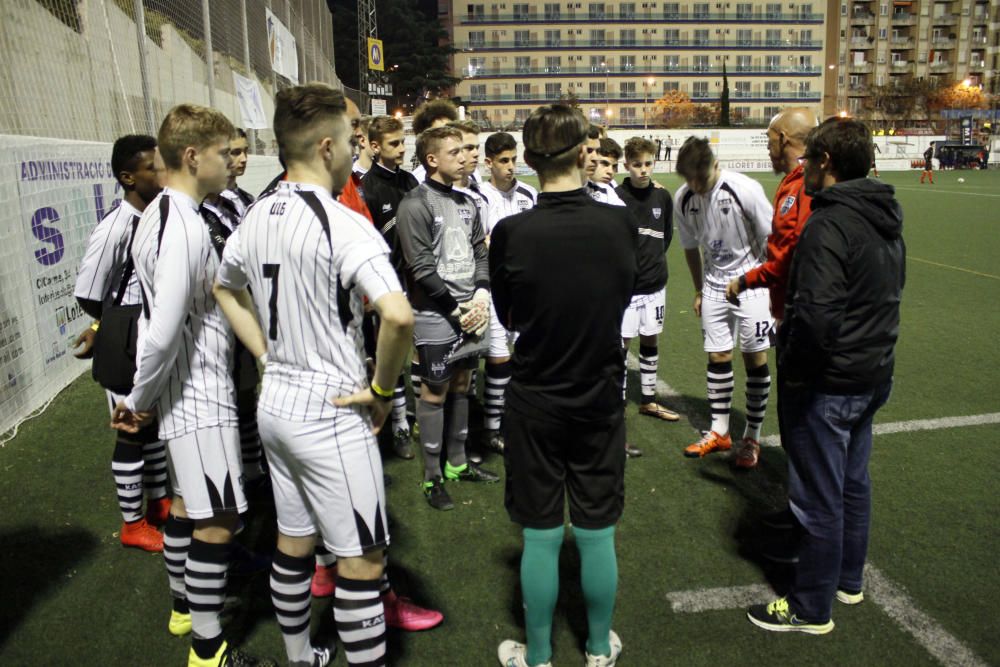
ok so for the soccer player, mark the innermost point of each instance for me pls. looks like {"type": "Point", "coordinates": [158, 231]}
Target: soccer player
{"type": "Point", "coordinates": [239, 152]}
{"type": "Point", "coordinates": [723, 219]}
{"type": "Point", "coordinates": [506, 196]}
{"type": "Point", "coordinates": [836, 353]}
{"type": "Point", "coordinates": [106, 279]}
{"type": "Point", "coordinates": [928, 171]}
{"type": "Point", "coordinates": [608, 156]}
{"type": "Point", "coordinates": [786, 136]}
{"type": "Point", "coordinates": [568, 260]}
{"type": "Point", "coordinates": [447, 280]}
{"type": "Point", "coordinates": [184, 377]}
{"type": "Point", "coordinates": [384, 185]}
{"type": "Point", "coordinates": [599, 191]}
{"type": "Point", "coordinates": [653, 207]}
{"type": "Point", "coordinates": [434, 113]}
{"type": "Point", "coordinates": [364, 156]}
{"type": "Point", "coordinates": [315, 398]}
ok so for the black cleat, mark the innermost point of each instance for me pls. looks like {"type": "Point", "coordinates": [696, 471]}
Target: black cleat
{"type": "Point", "coordinates": [470, 472]}
{"type": "Point", "coordinates": [436, 496]}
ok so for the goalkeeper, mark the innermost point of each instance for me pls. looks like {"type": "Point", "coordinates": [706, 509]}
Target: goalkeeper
{"type": "Point", "coordinates": [447, 278]}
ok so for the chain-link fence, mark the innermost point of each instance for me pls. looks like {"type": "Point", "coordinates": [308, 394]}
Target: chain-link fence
{"type": "Point", "coordinates": [83, 69]}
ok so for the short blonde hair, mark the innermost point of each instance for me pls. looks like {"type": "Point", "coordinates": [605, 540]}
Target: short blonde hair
{"type": "Point", "coordinates": [191, 125]}
{"type": "Point", "coordinates": [430, 141]}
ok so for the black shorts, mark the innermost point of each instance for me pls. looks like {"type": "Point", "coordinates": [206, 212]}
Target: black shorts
{"type": "Point", "coordinates": [545, 460]}
{"type": "Point", "coordinates": [436, 369]}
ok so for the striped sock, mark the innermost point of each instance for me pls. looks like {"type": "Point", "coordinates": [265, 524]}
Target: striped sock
{"type": "Point", "coordinates": [292, 600]}
{"type": "Point", "coordinates": [360, 619]}
{"type": "Point", "coordinates": [384, 587]}
{"type": "Point", "coordinates": [154, 469]}
{"type": "Point", "coordinates": [415, 377]}
{"type": "Point", "coordinates": [758, 388]}
{"type": "Point", "coordinates": [720, 395]}
{"type": "Point", "coordinates": [126, 466]}
{"type": "Point", "coordinates": [324, 557]}
{"type": "Point", "coordinates": [399, 422]}
{"type": "Point", "coordinates": [648, 359]}
{"type": "Point", "coordinates": [176, 543]}
{"type": "Point", "coordinates": [205, 581]}
{"type": "Point", "coordinates": [497, 377]}
{"type": "Point", "coordinates": [251, 452]}
{"type": "Point", "coordinates": [473, 382]}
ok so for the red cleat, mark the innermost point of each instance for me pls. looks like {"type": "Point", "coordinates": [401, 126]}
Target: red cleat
{"type": "Point", "coordinates": [142, 536]}
{"type": "Point", "coordinates": [403, 614]}
{"type": "Point", "coordinates": [157, 511]}
{"type": "Point", "coordinates": [324, 581]}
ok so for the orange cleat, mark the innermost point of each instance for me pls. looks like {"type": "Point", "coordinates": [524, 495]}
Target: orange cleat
{"type": "Point", "coordinates": [711, 442]}
{"type": "Point", "coordinates": [141, 535]}
{"type": "Point", "coordinates": [157, 511]}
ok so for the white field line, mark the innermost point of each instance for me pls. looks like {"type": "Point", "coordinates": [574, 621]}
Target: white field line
{"type": "Point", "coordinates": [888, 596]}
{"type": "Point", "coordinates": [915, 425]}
{"type": "Point", "coordinates": [662, 388]}
{"type": "Point", "coordinates": [931, 188]}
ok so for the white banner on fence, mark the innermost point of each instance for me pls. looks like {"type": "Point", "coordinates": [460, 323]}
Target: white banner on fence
{"type": "Point", "coordinates": [281, 47]}
{"type": "Point", "coordinates": [251, 103]}
{"type": "Point", "coordinates": [54, 192]}
{"type": "Point", "coordinates": [378, 107]}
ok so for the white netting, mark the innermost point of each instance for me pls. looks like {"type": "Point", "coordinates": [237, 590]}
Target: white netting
{"type": "Point", "coordinates": [72, 81]}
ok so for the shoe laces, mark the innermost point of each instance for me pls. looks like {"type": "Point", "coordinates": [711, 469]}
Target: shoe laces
{"type": "Point", "coordinates": [779, 608]}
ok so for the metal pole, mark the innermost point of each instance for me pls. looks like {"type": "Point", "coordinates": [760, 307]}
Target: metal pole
{"type": "Point", "coordinates": [645, 110]}
{"type": "Point", "coordinates": [209, 58]}
{"type": "Point", "coordinates": [251, 133]}
{"type": "Point", "coordinates": [140, 35]}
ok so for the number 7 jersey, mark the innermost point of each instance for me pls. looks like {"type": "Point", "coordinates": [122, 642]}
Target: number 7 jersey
{"type": "Point", "coordinates": [307, 260]}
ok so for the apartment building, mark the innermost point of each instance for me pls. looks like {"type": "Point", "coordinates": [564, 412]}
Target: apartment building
{"type": "Point", "coordinates": [882, 41]}
{"type": "Point", "coordinates": [617, 58]}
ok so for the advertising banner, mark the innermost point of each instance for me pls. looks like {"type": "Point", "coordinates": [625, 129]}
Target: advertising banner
{"type": "Point", "coordinates": [282, 49]}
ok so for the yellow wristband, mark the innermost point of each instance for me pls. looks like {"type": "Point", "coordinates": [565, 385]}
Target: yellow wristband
{"type": "Point", "coordinates": [379, 391]}
{"type": "Point", "coordinates": [94, 326]}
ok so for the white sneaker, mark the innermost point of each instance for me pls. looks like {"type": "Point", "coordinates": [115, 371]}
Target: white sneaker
{"type": "Point", "coordinates": [607, 660]}
{"type": "Point", "coordinates": [512, 654]}
{"type": "Point", "coordinates": [846, 597]}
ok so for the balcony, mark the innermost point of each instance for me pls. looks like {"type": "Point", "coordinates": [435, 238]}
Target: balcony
{"type": "Point", "coordinates": [904, 18]}
{"type": "Point", "coordinates": [902, 43]}
{"type": "Point", "coordinates": [862, 18]}
{"type": "Point", "coordinates": [641, 17]}
{"type": "Point", "coordinates": [862, 42]}
{"type": "Point", "coordinates": [939, 66]}
{"type": "Point", "coordinates": [859, 68]}
{"type": "Point", "coordinates": [857, 90]}
{"type": "Point", "coordinates": [942, 43]}
{"type": "Point", "coordinates": [977, 66]}
{"type": "Point", "coordinates": [900, 67]}
{"type": "Point", "coordinates": [946, 19]}
{"type": "Point", "coordinates": [611, 43]}
{"type": "Point", "coordinates": [537, 97]}
{"type": "Point", "coordinates": [678, 69]}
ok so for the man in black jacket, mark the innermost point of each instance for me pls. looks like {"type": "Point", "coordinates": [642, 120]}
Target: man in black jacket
{"type": "Point", "coordinates": [835, 359]}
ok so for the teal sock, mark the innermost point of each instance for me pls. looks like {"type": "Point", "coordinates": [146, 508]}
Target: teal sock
{"type": "Point", "coordinates": [599, 580]}
{"type": "Point", "coordinates": [540, 589]}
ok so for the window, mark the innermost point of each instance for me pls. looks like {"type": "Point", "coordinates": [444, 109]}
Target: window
{"type": "Point", "coordinates": [883, 9]}
{"type": "Point", "coordinates": [771, 112]}
{"type": "Point", "coordinates": [805, 63]}
{"type": "Point", "coordinates": [475, 12]}
{"type": "Point", "coordinates": [477, 91]}
{"type": "Point", "coordinates": [671, 36]}
{"type": "Point", "coordinates": [805, 11]}
{"type": "Point", "coordinates": [772, 89]}
{"type": "Point", "coordinates": [596, 11]}
{"type": "Point", "coordinates": [521, 11]}
{"type": "Point", "coordinates": [626, 63]}
{"type": "Point", "coordinates": [476, 66]}
{"type": "Point", "coordinates": [626, 38]}
{"type": "Point", "coordinates": [700, 10]}
{"type": "Point", "coordinates": [772, 63]}
{"type": "Point", "coordinates": [671, 63]}
{"type": "Point", "coordinates": [598, 64]}
{"type": "Point", "coordinates": [743, 89]}
{"type": "Point", "coordinates": [627, 10]}
{"type": "Point", "coordinates": [744, 63]}
{"type": "Point", "coordinates": [627, 115]}
{"type": "Point", "coordinates": [744, 37]}
{"type": "Point", "coordinates": [521, 115]}
{"type": "Point", "coordinates": [671, 85]}
{"type": "Point", "coordinates": [744, 10]}
{"type": "Point", "coordinates": [699, 89]}
{"type": "Point", "coordinates": [805, 37]}
{"type": "Point", "coordinates": [477, 39]}
{"type": "Point", "coordinates": [551, 11]}
{"type": "Point", "coordinates": [522, 91]}
{"type": "Point", "coordinates": [597, 38]}
{"type": "Point", "coordinates": [700, 63]}
{"type": "Point", "coordinates": [804, 87]}
{"type": "Point", "coordinates": [627, 90]}
{"type": "Point", "coordinates": [701, 37]}
{"type": "Point", "coordinates": [481, 116]}
{"type": "Point", "coordinates": [522, 64]}
{"type": "Point", "coordinates": [552, 38]}
{"type": "Point", "coordinates": [773, 37]}
{"type": "Point", "coordinates": [522, 38]}
{"type": "Point", "coordinates": [671, 10]}
{"type": "Point", "coordinates": [773, 10]}
{"type": "Point", "coordinates": [553, 64]}
{"type": "Point", "coordinates": [597, 89]}
{"type": "Point", "coordinates": [553, 91]}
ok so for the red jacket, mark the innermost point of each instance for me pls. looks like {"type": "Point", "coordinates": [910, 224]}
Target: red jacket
{"type": "Point", "coordinates": [791, 210]}
{"type": "Point", "coordinates": [352, 198]}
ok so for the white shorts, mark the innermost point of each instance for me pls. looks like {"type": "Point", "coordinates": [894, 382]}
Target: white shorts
{"type": "Point", "coordinates": [720, 319]}
{"type": "Point", "coordinates": [500, 339]}
{"type": "Point", "coordinates": [207, 472]}
{"type": "Point", "coordinates": [644, 315]}
{"type": "Point", "coordinates": [327, 478]}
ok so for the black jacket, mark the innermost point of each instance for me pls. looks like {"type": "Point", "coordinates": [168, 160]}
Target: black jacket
{"type": "Point", "coordinates": [844, 289]}
{"type": "Point", "coordinates": [383, 190]}
{"type": "Point", "coordinates": [654, 208]}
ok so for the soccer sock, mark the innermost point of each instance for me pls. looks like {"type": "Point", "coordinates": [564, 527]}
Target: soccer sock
{"type": "Point", "coordinates": [599, 581]}
{"type": "Point", "coordinates": [540, 589]}
{"type": "Point", "coordinates": [291, 598]}
{"type": "Point", "coordinates": [154, 469]}
{"type": "Point", "coordinates": [205, 581]}
{"type": "Point", "coordinates": [457, 419]}
{"type": "Point", "coordinates": [176, 542]}
{"type": "Point", "coordinates": [430, 418]}
{"type": "Point", "coordinates": [648, 359]}
{"type": "Point", "coordinates": [720, 395]}
{"type": "Point", "coordinates": [251, 451]}
{"type": "Point", "coordinates": [473, 381]}
{"type": "Point", "coordinates": [324, 557]}
{"type": "Point", "coordinates": [758, 388]}
{"type": "Point", "coordinates": [497, 377]}
{"type": "Point", "coordinates": [399, 422]}
{"type": "Point", "coordinates": [384, 587]}
{"type": "Point", "coordinates": [126, 466]}
{"type": "Point", "coordinates": [360, 618]}
{"type": "Point", "coordinates": [415, 377]}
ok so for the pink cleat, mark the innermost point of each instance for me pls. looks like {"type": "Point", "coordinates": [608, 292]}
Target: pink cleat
{"type": "Point", "coordinates": [324, 581]}
{"type": "Point", "coordinates": [403, 614]}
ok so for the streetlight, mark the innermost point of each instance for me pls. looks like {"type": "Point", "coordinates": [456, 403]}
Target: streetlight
{"type": "Point", "coordinates": [645, 109]}
{"type": "Point", "coordinates": [607, 112]}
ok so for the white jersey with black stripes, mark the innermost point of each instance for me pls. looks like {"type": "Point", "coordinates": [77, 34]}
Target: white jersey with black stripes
{"type": "Point", "coordinates": [103, 265]}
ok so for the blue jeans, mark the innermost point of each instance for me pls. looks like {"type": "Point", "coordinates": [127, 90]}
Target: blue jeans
{"type": "Point", "coordinates": [828, 440]}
